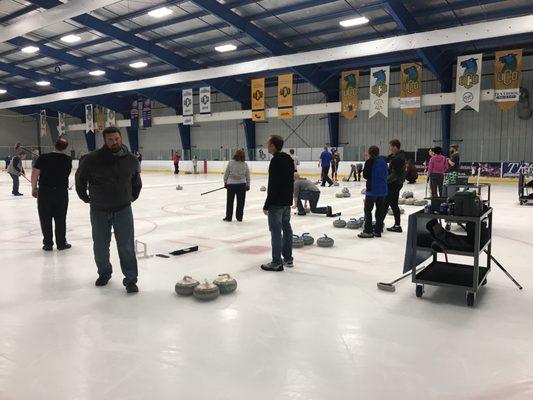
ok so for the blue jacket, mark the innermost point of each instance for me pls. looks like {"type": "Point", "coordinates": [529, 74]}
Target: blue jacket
{"type": "Point", "coordinates": [375, 172]}
{"type": "Point", "coordinates": [326, 157]}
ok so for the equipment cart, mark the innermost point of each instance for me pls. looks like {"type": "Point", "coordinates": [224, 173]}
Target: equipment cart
{"type": "Point", "coordinates": [478, 187]}
{"type": "Point", "coordinates": [441, 272]}
{"type": "Point", "coordinates": [525, 189]}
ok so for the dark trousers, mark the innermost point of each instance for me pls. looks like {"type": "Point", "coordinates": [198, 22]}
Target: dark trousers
{"type": "Point", "coordinates": [437, 181]}
{"type": "Point", "coordinates": [325, 176]}
{"type": "Point", "coordinates": [312, 197]}
{"type": "Point", "coordinates": [379, 202]}
{"type": "Point", "coordinates": [391, 201]}
{"type": "Point", "coordinates": [356, 176]}
{"type": "Point", "coordinates": [16, 183]}
{"type": "Point", "coordinates": [122, 223]}
{"type": "Point", "coordinates": [279, 223]}
{"type": "Point", "coordinates": [176, 168]}
{"type": "Point", "coordinates": [52, 204]}
{"type": "Point", "coordinates": [233, 191]}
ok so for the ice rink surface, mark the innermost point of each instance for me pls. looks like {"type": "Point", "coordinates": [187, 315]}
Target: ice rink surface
{"type": "Point", "coordinates": [319, 331]}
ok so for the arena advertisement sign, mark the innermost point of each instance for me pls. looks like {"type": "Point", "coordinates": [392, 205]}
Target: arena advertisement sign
{"type": "Point", "coordinates": [205, 100]}
{"type": "Point", "coordinates": [379, 91]}
{"type": "Point", "coordinates": [468, 82]}
{"type": "Point", "coordinates": [285, 99]}
{"type": "Point", "coordinates": [411, 88]}
{"type": "Point", "coordinates": [513, 169]}
{"type": "Point", "coordinates": [507, 66]}
{"type": "Point", "coordinates": [258, 99]}
{"type": "Point", "coordinates": [485, 170]}
{"type": "Point", "coordinates": [349, 84]}
{"type": "Point", "coordinates": [188, 106]}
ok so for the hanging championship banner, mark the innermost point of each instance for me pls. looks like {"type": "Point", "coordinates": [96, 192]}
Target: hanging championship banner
{"type": "Point", "coordinates": [99, 119]}
{"type": "Point", "coordinates": [379, 91]}
{"type": "Point", "coordinates": [147, 113]}
{"type": "Point", "coordinates": [89, 121]}
{"type": "Point", "coordinates": [410, 88]}
{"type": "Point", "coordinates": [110, 118]}
{"type": "Point", "coordinates": [188, 107]}
{"type": "Point", "coordinates": [285, 98]}
{"type": "Point", "coordinates": [507, 67]}
{"type": "Point", "coordinates": [205, 100]}
{"type": "Point", "coordinates": [468, 82]}
{"type": "Point", "coordinates": [61, 124]}
{"type": "Point", "coordinates": [42, 125]}
{"type": "Point", "coordinates": [258, 99]}
{"type": "Point", "coordinates": [134, 113]}
{"type": "Point", "coordinates": [349, 93]}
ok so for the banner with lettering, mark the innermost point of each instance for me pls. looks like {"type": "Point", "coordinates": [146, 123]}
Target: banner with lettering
{"type": "Point", "coordinates": [285, 96]}
{"type": "Point", "coordinates": [188, 106]}
{"type": "Point", "coordinates": [468, 82]}
{"type": "Point", "coordinates": [379, 91]}
{"type": "Point", "coordinates": [61, 123]}
{"type": "Point", "coordinates": [99, 118]}
{"type": "Point", "coordinates": [89, 120]}
{"type": "Point", "coordinates": [147, 113]}
{"type": "Point", "coordinates": [507, 67]}
{"type": "Point", "coordinates": [349, 84]}
{"type": "Point", "coordinates": [110, 118]}
{"type": "Point", "coordinates": [410, 88]}
{"type": "Point", "coordinates": [258, 99]}
{"type": "Point", "coordinates": [42, 125]}
{"type": "Point", "coordinates": [134, 113]}
{"type": "Point", "coordinates": [205, 100]}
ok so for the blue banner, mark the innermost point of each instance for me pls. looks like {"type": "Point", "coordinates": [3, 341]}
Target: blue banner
{"type": "Point", "coordinates": [513, 169]}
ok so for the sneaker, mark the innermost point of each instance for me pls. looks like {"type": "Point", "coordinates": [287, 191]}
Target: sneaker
{"type": "Point", "coordinates": [366, 235]}
{"type": "Point", "coordinates": [288, 264]}
{"type": "Point", "coordinates": [302, 214]}
{"type": "Point", "coordinates": [102, 280]}
{"type": "Point", "coordinates": [226, 220]}
{"type": "Point", "coordinates": [18, 194]}
{"type": "Point", "coordinates": [377, 234]}
{"type": "Point", "coordinates": [330, 212]}
{"type": "Point", "coordinates": [395, 228]}
{"type": "Point", "coordinates": [66, 246]}
{"type": "Point", "coordinates": [48, 248]}
{"type": "Point", "coordinates": [132, 288]}
{"type": "Point", "coordinates": [272, 267]}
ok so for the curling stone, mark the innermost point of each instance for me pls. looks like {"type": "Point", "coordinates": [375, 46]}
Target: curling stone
{"type": "Point", "coordinates": [339, 195]}
{"type": "Point", "coordinates": [179, 187]}
{"type": "Point", "coordinates": [226, 284]}
{"type": "Point", "coordinates": [206, 291]}
{"type": "Point", "coordinates": [355, 223]}
{"type": "Point", "coordinates": [402, 211]}
{"type": "Point", "coordinates": [339, 223]}
{"type": "Point", "coordinates": [325, 241]}
{"type": "Point", "coordinates": [401, 201]}
{"type": "Point", "coordinates": [345, 179]}
{"type": "Point", "coordinates": [410, 201]}
{"type": "Point", "coordinates": [421, 202]}
{"type": "Point", "coordinates": [263, 189]}
{"type": "Point", "coordinates": [336, 183]}
{"type": "Point", "coordinates": [347, 194]}
{"type": "Point", "coordinates": [308, 239]}
{"type": "Point", "coordinates": [407, 195]}
{"type": "Point", "coordinates": [363, 191]}
{"type": "Point", "coordinates": [345, 190]}
{"type": "Point", "coordinates": [297, 242]}
{"type": "Point", "coordinates": [186, 286]}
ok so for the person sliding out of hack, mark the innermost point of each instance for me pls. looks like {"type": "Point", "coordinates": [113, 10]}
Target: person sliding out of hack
{"type": "Point", "coordinates": [304, 189]}
{"type": "Point", "coordinates": [278, 205]}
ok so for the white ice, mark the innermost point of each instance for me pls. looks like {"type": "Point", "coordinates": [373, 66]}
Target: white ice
{"type": "Point", "coordinates": [319, 331]}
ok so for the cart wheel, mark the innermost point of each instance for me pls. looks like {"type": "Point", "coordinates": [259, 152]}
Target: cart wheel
{"type": "Point", "coordinates": [484, 282]}
{"type": "Point", "coordinates": [448, 227]}
{"type": "Point", "coordinates": [470, 299]}
{"type": "Point", "coordinates": [419, 290]}
{"type": "Point", "coordinates": [521, 203]}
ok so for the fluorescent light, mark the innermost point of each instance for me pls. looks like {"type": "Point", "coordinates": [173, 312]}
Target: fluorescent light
{"type": "Point", "coordinates": [138, 64]}
{"type": "Point", "coordinates": [160, 12]}
{"type": "Point", "coordinates": [70, 39]}
{"type": "Point", "coordinates": [225, 47]}
{"type": "Point", "coordinates": [30, 49]}
{"type": "Point", "coordinates": [3, 91]}
{"type": "Point", "coordinates": [98, 72]}
{"type": "Point", "coordinates": [353, 22]}
{"type": "Point", "coordinates": [43, 83]}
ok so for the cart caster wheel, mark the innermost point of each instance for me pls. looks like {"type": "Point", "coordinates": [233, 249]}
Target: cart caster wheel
{"type": "Point", "coordinates": [470, 299]}
{"type": "Point", "coordinates": [448, 227]}
{"type": "Point", "coordinates": [521, 203]}
{"type": "Point", "coordinates": [484, 282]}
{"type": "Point", "coordinates": [419, 290]}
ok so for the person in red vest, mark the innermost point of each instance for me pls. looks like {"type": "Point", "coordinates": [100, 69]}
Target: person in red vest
{"type": "Point", "coordinates": [176, 160]}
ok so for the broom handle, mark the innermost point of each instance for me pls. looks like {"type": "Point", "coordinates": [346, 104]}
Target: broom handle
{"type": "Point", "coordinates": [211, 191]}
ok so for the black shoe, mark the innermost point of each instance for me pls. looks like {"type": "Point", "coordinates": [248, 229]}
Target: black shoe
{"type": "Point", "coordinates": [48, 248]}
{"type": "Point", "coordinates": [239, 219]}
{"type": "Point", "coordinates": [132, 288]}
{"type": "Point", "coordinates": [395, 228]}
{"type": "Point", "coordinates": [18, 194]}
{"type": "Point", "coordinates": [377, 234]}
{"type": "Point", "coordinates": [102, 280]}
{"type": "Point", "coordinates": [366, 235]}
{"type": "Point", "coordinates": [330, 212]}
{"type": "Point", "coordinates": [288, 264]}
{"type": "Point", "coordinates": [226, 220]}
{"type": "Point", "coordinates": [66, 246]}
{"type": "Point", "coordinates": [302, 214]}
{"type": "Point", "coordinates": [272, 267]}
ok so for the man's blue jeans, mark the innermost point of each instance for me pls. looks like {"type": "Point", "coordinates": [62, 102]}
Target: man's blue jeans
{"type": "Point", "coordinates": [122, 223]}
{"type": "Point", "coordinates": [279, 223]}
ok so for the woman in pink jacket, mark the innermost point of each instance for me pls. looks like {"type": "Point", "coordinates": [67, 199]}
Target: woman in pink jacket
{"type": "Point", "coordinates": [438, 165]}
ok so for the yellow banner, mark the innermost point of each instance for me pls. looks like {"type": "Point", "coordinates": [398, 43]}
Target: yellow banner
{"type": "Point", "coordinates": [258, 94]}
{"type": "Point", "coordinates": [100, 119]}
{"type": "Point", "coordinates": [285, 90]}
{"type": "Point", "coordinates": [349, 87]}
{"type": "Point", "coordinates": [285, 113]}
{"type": "Point", "coordinates": [410, 88]}
{"type": "Point", "coordinates": [507, 67]}
{"type": "Point", "coordinates": [258, 115]}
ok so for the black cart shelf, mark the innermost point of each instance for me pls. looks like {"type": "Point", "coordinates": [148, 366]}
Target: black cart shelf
{"type": "Point", "coordinates": [441, 273]}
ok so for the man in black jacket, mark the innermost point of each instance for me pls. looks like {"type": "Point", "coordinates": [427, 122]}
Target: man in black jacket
{"type": "Point", "coordinates": [278, 205]}
{"type": "Point", "coordinates": [112, 174]}
{"type": "Point", "coordinates": [395, 181]}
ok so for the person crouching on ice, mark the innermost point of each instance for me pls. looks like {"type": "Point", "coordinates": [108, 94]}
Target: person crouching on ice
{"type": "Point", "coordinates": [306, 190]}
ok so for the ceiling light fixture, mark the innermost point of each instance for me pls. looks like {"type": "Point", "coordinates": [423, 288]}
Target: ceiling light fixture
{"type": "Point", "coordinates": [98, 72]}
{"type": "Point", "coordinates": [3, 91]}
{"type": "Point", "coordinates": [138, 64]}
{"type": "Point", "coordinates": [30, 49]}
{"type": "Point", "coordinates": [160, 12]}
{"type": "Point", "coordinates": [225, 48]}
{"type": "Point", "coordinates": [43, 83]}
{"type": "Point", "coordinates": [353, 22]}
{"type": "Point", "coordinates": [71, 39]}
